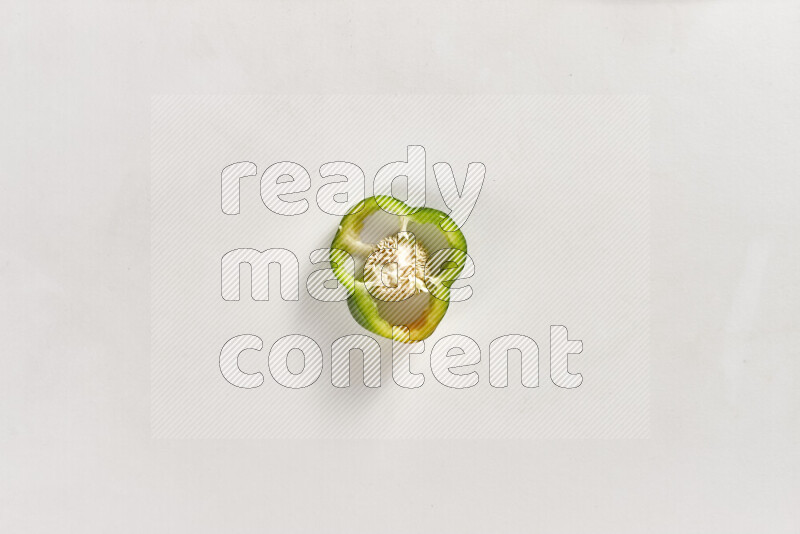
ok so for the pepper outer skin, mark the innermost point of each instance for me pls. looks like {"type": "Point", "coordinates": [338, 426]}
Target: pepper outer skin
{"type": "Point", "coordinates": [362, 305]}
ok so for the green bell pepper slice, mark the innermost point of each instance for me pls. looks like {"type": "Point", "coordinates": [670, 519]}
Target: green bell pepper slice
{"type": "Point", "coordinates": [363, 306]}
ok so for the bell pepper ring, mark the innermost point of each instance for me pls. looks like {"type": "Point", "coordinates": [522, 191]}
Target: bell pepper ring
{"type": "Point", "coordinates": [407, 273]}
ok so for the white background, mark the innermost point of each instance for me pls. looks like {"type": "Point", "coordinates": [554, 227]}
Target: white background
{"type": "Point", "coordinates": [75, 447]}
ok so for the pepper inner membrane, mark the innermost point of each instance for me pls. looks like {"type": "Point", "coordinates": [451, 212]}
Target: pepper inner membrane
{"type": "Point", "coordinates": [404, 312]}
